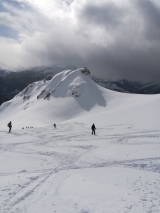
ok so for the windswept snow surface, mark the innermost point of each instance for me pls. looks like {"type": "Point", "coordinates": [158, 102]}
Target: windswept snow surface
{"type": "Point", "coordinates": [69, 170]}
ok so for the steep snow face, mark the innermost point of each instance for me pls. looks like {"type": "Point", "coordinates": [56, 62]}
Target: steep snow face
{"type": "Point", "coordinates": [74, 84]}
{"type": "Point", "coordinates": [67, 95]}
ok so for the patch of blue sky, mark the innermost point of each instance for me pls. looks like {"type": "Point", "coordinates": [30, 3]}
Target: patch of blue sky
{"type": "Point", "coordinates": [13, 3]}
{"type": "Point", "coordinates": [8, 32]}
{"type": "Point", "coordinates": [2, 7]}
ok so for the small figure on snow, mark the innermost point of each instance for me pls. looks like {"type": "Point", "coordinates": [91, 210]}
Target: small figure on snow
{"type": "Point", "coordinates": [93, 129]}
{"type": "Point", "coordinates": [54, 125]}
{"type": "Point", "coordinates": [10, 126]}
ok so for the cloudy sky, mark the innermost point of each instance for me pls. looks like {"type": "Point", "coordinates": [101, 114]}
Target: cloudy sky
{"type": "Point", "coordinates": [113, 38]}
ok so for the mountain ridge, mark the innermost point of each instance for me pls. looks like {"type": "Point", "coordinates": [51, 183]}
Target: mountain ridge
{"type": "Point", "coordinates": [68, 94]}
{"type": "Point", "coordinates": [11, 83]}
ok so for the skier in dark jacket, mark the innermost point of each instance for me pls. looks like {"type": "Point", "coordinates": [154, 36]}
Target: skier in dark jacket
{"type": "Point", "coordinates": [54, 125]}
{"type": "Point", "coordinates": [93, 129]}
{"type": "Point", "coordinates": [10, 126]}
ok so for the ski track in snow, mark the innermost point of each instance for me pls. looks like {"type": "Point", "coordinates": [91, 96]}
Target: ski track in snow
{"type": "Point", "coordinates": [52, 155]}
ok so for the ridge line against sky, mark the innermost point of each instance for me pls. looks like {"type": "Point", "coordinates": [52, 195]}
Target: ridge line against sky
{"type": "Point", "coordinates": [114, 39]}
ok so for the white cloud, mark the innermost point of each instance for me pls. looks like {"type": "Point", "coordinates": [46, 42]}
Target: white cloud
{"type": "Point", "coordinates": [111, 37]}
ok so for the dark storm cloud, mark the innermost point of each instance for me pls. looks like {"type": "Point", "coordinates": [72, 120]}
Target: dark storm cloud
{"type": "Point", "coordinates": [121, 61]}
{"type": "Point", "coordinates": [135, 52]}
{"type": "Point", "coordinates": [107, 14]}
{"type": "Point", "coordinates": [114, 39]}
{"type": "Point", "coordinates": [150, 14]}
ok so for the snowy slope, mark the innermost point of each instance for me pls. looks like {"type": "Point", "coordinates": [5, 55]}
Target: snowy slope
{"type": "Point", "coordinates": [67, 95]}
{"type": "Point", "coordinates": [67, 169]}
{"type": "Point", "coordinates": [72, 94]}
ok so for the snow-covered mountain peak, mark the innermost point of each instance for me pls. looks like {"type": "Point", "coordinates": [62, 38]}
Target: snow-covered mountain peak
{"type": "Point", "coordinates": [67, 83]}
{"type": "Point", "coordinates": [68, 94]}
{"type": "Point", "coordinates": [73, 83]}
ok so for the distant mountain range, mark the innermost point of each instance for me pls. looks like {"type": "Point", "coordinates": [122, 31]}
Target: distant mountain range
{"type": "Point", "coordinates": [12, 83]}
{"type": "Point", "coordinates": [129, 86]}
{"type": "Point", "coordinates": [3, 71]}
